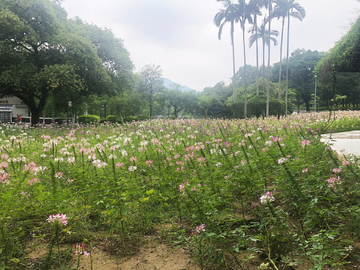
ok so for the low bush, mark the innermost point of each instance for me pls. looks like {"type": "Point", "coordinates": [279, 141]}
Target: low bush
{"type": "Point", "coordinates": [88, 119]}
{"type": "Point", "coordinates": [112, 119]}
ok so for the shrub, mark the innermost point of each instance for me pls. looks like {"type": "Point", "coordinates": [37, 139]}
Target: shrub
{"type": "Point", "coordinates": [112, 119]}
{"type": "Point", "coordinates": [129, 118]}
{"type": "Point", "coordinates": [143, 117]}
{"type": "Point", "coordinates": [88, 119]}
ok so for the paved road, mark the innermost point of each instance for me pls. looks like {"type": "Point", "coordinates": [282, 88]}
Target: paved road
{"type": "Point", "coordinates": [344, 142]}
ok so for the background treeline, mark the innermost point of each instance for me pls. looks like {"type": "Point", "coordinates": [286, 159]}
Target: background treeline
{"type": "Point", "coordinates": [64, 67]}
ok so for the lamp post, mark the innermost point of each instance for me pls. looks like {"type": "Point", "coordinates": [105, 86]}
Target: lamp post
{"type": "Point", "coordinates": [315, 90]}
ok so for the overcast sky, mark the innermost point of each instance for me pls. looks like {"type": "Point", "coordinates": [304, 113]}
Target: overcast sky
{"type": "Point", "coordinates": [180, 36]}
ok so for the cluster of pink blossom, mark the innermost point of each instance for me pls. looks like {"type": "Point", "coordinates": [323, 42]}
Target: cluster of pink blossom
{"type": "Point", "coordinates": [99, 164]}
{"type": "Point", "coordinates": [119, 165]}
{"type": "Point", "coordinates": [334, 180]}
{"type": "Point", "coordinates": [80, 249]}
{"type": "Point", "coordinates": [200, 228]}
{"type": "Point", "coordinates": [59, 175]}
{"type": "Point", "coordinates": [305, 142]}
{"type": "Point", "coordinates": [276, 139]}
{"type": "Point", "coordinates": [33, 181]}
{"type": "Point", "coordinates": [267, 197]}
{"type": "Point", "coordinates": [4, 177]}
{"type": "Point", "coordinates": [61, 218]}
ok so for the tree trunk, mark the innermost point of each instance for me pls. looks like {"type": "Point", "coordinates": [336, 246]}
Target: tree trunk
{"type": "Point", "coordinates": [233, 55]}
{"type": "Point", "coordinates": [268, 79]}
{"type": "Point", "coordinates": [150, 104]}
{"type": "Point", "coordinates": [263, 66]}
{"type": "Point", "coordinates": [257, 57]}
{"type": "Point", "coordinates": [287, 65]}
{"type": "Point", "coordinates": [281, 45]}
{"type": "Point", "coordinates": [35, 116]}
{"type": "Point", "coordinates": [245, 107]}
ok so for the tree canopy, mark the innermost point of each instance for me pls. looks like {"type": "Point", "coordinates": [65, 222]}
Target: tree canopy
{"type": "Point", "coordinates": [43, 53]}
{"type": "Point", "coordinates": [345, 55]}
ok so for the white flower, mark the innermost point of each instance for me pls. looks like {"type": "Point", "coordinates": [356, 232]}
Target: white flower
{"type": "Point", "coordinates": [132, 168]}
{"type": "Point", "coordinates": [268, 143]}
{"type": "Point", "coordinates": [124, 153]}
{"type": "Point", "coordinates": [267, 197]}
{"type": "Point", "coordinates": [282, 160]}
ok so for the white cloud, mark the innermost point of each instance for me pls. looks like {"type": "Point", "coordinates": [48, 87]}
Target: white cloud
{"type": "Point", "coordinates": [181, 37]}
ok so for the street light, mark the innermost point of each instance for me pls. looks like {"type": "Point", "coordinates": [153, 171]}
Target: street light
{"type": "Point", "coordinates": [315, 90]}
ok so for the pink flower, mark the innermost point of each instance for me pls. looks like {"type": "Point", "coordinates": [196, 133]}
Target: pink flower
{"type": "Point", "coordinates": [345, 162]}
{"type": "Point", "coordinates": [133, 159]}
{"type": "Point", "coordinates": [148, 162]}
{"type": "Point", "coordinates": [81, 249]}
{"type": "Point", "coordinates": [305, 170]}
{"type": "Point", "coordinates": [61, 218]}
{"type": "Point", "coordinates": [119, 165]}
{"type": "Point", "coordinates": [305, 142]}
{"type": "Point", "coordinates": [33, 180]}
{"type": "Point", "coordinates": [336, 170]}
{"type": "Point", "coordinates": [58, 175]}
{"type": "Point", "coordinates": [334, 180]}
{"type": "Point", "coordinates": [200, 228]}
{"type": "Point", "coordinates": [276, 139]}
{"type": "Point", "coordinates": [267, 197]}
{"type": "Point", "coordinates": [255, 204]}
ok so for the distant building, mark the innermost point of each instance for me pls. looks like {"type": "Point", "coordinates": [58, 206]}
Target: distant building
{"type": "Point", "coordinates": [11, 108]}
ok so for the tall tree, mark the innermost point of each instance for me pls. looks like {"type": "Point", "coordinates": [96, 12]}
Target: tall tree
{"type": "Point", "coordinates": [41, 52]}
{"type": "Point", "coordinates": [244, 12]}
{"type": "Point", "coordinates": [262, 33]}
{"type": "Point", "coordinates": [227, 15]}
{"type": "Point", "coordinates": [257, 4]}
{"type": "Point", "coordinates": [293, 10]}
{"type": "Point", "coordinates": [268, 81]}
{"type": "Point", "coordinates": [302, 64]}
{"type": "Point", "coordinates": [152, 83]}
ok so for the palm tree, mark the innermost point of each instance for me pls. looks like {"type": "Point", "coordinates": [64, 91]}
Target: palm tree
{"type": "Point", "coordinates": [244, 13]}
{"type": "Point", "coordinates": [300, 14]}
{"type": "Point", "coordinates": [268, 81]}
{"type": "Point", "coordinates": [283, 9]}
{"type": "Point", "coordinates": [263, 34]}
{"type": "Point", "coordinates": [258, 4]}
{"type": "Point", "coordinates": [224, 16]}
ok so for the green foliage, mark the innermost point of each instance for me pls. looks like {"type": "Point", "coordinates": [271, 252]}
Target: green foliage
{"type": "Point", "coordinates": [129, 119]}
{"type": "Point", "coordinates": [142, 117]}
{"type": "Point", "coordinates": [88, 119]}
{"type": "Point", "coordinates": [77, 61]}
{"type": "Point", "coordinates": [112, 119]}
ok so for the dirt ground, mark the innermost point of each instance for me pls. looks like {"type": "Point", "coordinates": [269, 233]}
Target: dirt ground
{"type": "Point", "coordinates": [150, 254]}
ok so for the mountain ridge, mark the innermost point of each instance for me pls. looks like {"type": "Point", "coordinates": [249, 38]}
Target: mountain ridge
{"type": "Point", "coordinates": [169, 84]}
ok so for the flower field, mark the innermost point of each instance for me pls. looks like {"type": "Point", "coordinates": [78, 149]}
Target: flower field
{"type": "Point", "coordinates": [234, 194]}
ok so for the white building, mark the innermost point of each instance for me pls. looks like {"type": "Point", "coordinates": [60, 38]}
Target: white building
{"type": "Point", "coordinates": [11, 108]}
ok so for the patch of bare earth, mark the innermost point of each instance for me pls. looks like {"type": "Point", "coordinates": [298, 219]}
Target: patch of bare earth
{"type": "Point", "coordinates": [150, 255]}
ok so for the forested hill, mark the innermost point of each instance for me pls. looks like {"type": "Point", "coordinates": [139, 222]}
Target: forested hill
{"type": "Point", "coordinates": [170, 84]}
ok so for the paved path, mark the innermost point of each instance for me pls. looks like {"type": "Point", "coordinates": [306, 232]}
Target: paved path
{"type": "Point", "coordinates": [348, 142]}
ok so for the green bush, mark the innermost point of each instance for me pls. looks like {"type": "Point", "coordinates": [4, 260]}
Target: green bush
{"type": "Point", "coordinates": [112, 119]}
{"type": "Point", "coordinates": [88, 119]}
{"type": "Point", "coordinates": [143, 117]}
{"type": "Point", "coordinates": [129, 118]}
